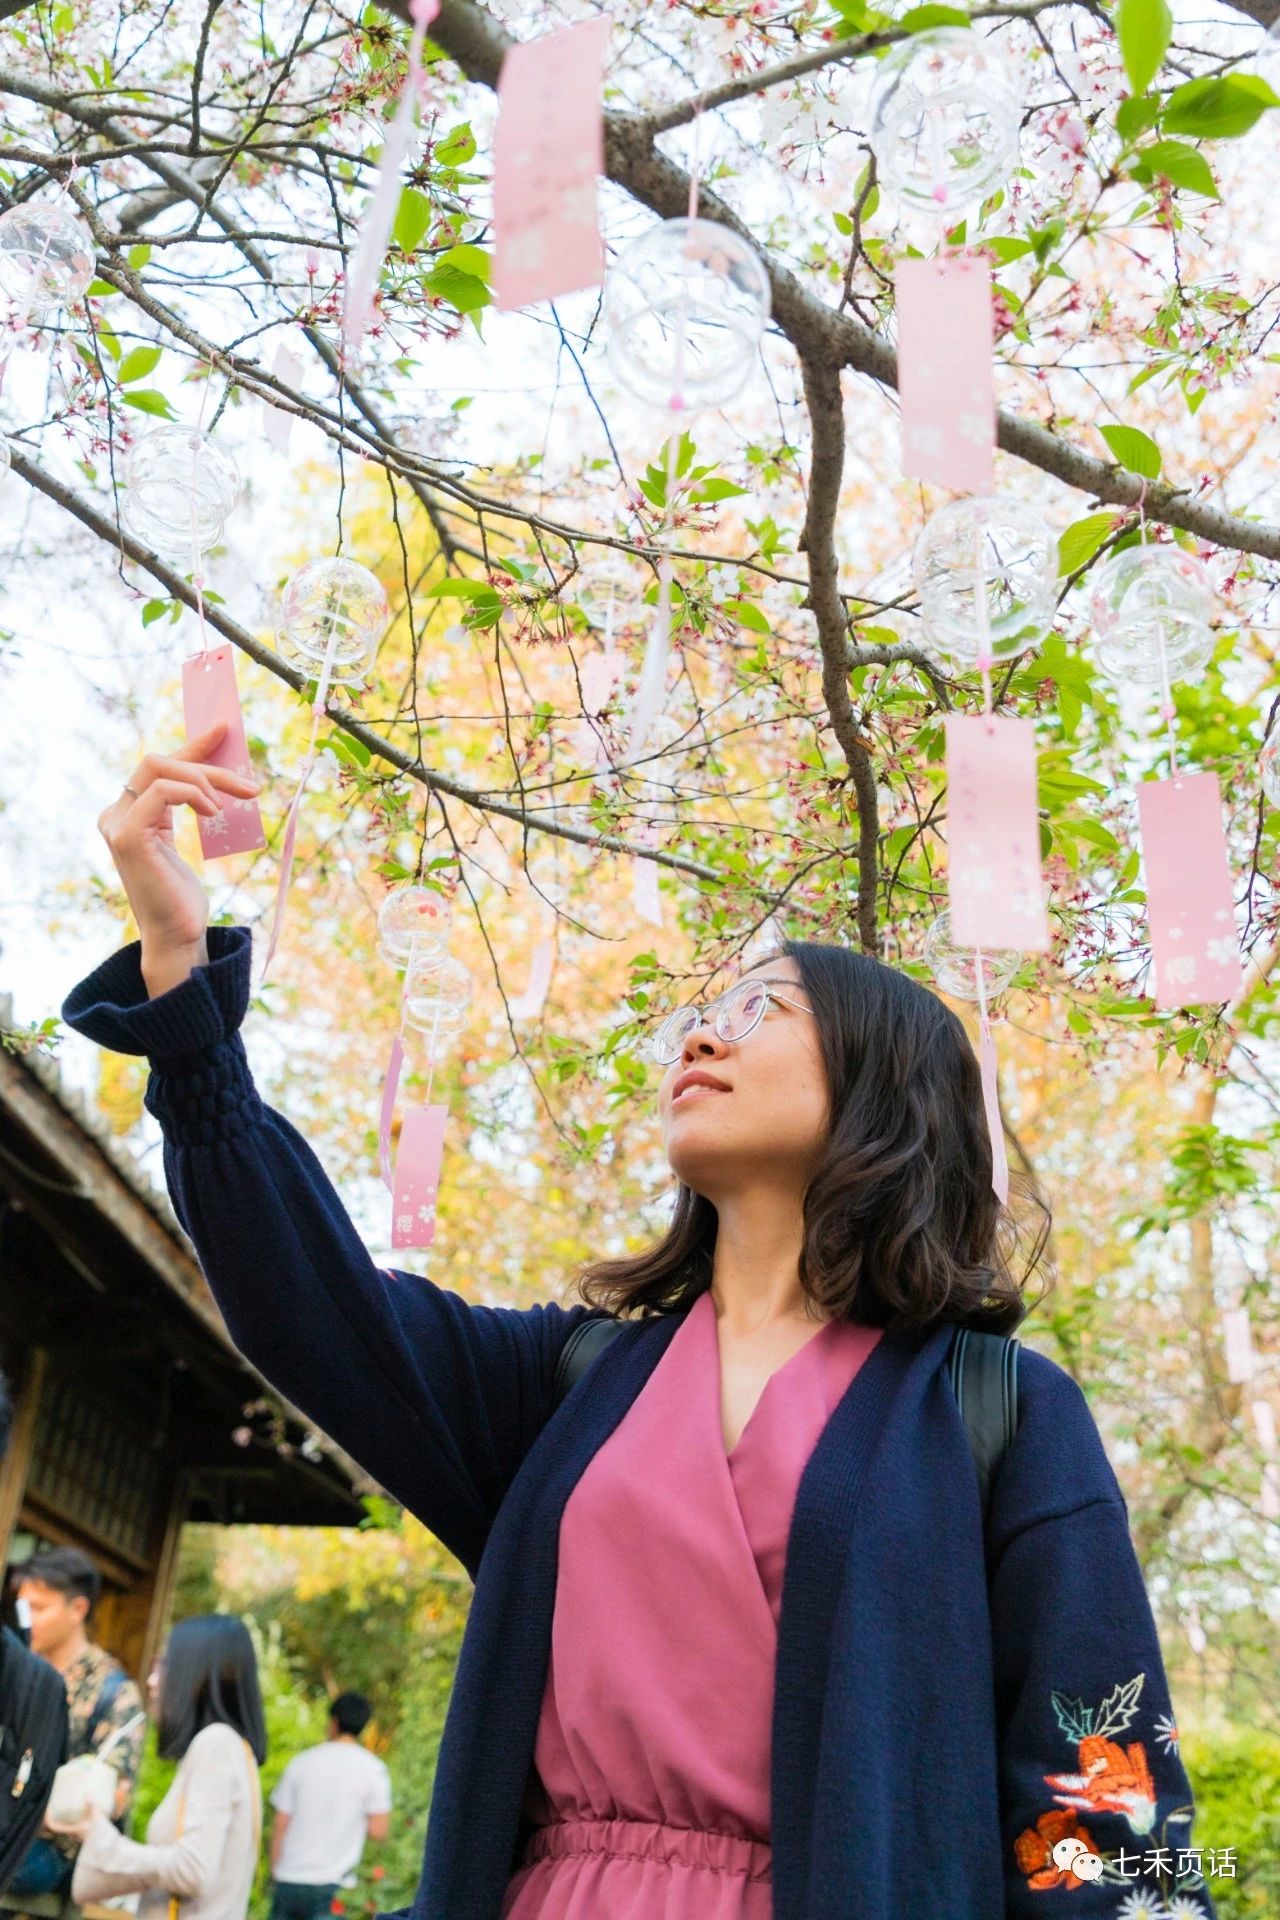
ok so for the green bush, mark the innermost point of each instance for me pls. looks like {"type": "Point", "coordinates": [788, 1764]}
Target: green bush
{"type": "Point", "coordinates": [1235, 1777]}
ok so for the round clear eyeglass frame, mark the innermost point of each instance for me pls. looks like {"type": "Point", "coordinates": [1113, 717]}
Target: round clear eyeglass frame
{"type": "Point", "coordinates": [735, 1014]}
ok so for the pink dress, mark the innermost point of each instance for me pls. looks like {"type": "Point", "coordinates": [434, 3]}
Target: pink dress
{"type": "Point", "coordinates": [652, 1755]}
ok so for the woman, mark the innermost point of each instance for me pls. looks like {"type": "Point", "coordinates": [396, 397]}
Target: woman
{"type": "Point", "coordinates": [739, 1647]}
{"type": "Point", "coordinates": [201, 1850]}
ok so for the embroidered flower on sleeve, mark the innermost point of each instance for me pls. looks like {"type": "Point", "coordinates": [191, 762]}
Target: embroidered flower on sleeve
{"type": "Point", "coordinates": [1112, 1779]}
{"type": "Point", "coordinates": [1033, 1849]}
{"type": "Point", "coordinates": [1166, 1733]}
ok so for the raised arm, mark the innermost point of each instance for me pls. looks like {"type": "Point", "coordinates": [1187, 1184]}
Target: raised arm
{"type": "Point", "coordinates": [440, 1400]}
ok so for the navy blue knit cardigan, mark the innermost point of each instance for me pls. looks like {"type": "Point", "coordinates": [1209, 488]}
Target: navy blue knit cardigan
{"type": "Point", "coordinates": [944, 1713]}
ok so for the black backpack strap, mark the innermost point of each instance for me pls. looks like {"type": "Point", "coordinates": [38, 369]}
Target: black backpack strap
{"type": "Point", "coordinates": [983, 1368]}
{"type": "Point", "coordinates": [588, 1338]}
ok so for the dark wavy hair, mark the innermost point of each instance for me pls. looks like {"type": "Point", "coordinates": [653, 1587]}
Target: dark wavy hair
{"type": "Point", "coordinates": [902, 1229]}
{"type": "Point", "coordinates": [210, 1678]}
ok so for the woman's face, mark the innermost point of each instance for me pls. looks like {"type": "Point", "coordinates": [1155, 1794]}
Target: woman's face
{"type": "Point", "coordinates": [769, 1121]}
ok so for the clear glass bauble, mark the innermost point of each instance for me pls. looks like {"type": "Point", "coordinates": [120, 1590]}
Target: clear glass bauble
{"type": "Point", "coordinates": [46, 257]}
{"type": "Point", "coordinates": [945, 114]}
{"type": "Point", "coordinates": [685, 306]}
{"type": "Point", "coordinates": [179, 486]}
{"type": "Point", "coordinates": [986, 550]}
{"type": "Point", "coordinates": [413, 925]}
{"type": "Point", "coordinates": [437, 997]}
{"type": "Point", "coordinates": [332, 600]}
{"type": "Point", "coordinates": [1269, 768]}
{"type": "Point", "coordinates": [956, 968]}
{"type": "Point", "coordinates": [1142, 596]}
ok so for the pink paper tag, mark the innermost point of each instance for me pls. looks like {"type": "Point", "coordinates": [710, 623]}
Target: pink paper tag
{"type": "Point", "coordinates": [645, 897]}
{"type": "Point", "coordinates": [945, 384]}
{"type": "Point", "coordinates": [548, 151]}
{"type": "Point", "coordinates": [413, 1211]}
{"type": "Point", "coordinates": [277, 425]}
{"type": "Point", "coordinates": [995, 888]}
{"type": "Point", "coordinates": [1190, 910]}
{"type": "Point", "coordinates": [209, 693]}
{"type": "Point", "coordinates": [1239, 1345]}
{"type": "Point", "coordinates": [529, 1004]}
{"type": "Point", "coordinates": [598, 676]}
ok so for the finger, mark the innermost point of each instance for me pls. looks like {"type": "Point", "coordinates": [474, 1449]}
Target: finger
{"type": "Point", "coordinates": [149, 809]}
{"type": "Point", "coordinates": [155, 766]}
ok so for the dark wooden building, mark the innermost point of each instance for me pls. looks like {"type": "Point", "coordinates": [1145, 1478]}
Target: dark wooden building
{"type": "Point", "coordinates": [130, 1399]}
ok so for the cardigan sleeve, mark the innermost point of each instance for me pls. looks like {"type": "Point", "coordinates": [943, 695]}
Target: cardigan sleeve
{"type": "Point", "coordinates": [437, 1398]}
{"type": "Point", "coordinates": [1087, 1740]}
{"type": "Point", "coordinates": [209, 1786]}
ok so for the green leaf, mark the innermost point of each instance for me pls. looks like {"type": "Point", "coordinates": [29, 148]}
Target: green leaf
{"type": "Point", "coordinates": [413, 217]}
{"type": "Point", "coordinates": [154, 610]}
{"type": "Point", "coordinates": [1144, 28]}
{"type": "Point", "coordinates": [460, 590]}
{"type": "Point", "coordinates": [138, 257]}
{"type": "Point", "coordinates": [920, 19]}
{"type": "Point", "coordinates": [467, 259]}
{"type": "Point", "coordinates": [746, 615]}
{"type": "Point", "coordinates": [151, 400]}
{"type": "Point", "coordinates": [338, 747]}
{"type": "Point", "coordinates": [1185, 166]}
{"type": "Point", "coordinates": [1134, 449]}
{"type": "Point", "coordinates": [356, 748]}
{"type": "Point", "coordinates": [100, 290]}
{"type": "Point", "coordinates": [1135, 115]}
{"type": "Point", "coordinates": [1006, 248]}
{"type": "Point", "coordinates": [1218, 109]}
{"type": "Point", "coordinates": [712, 490]}
{"type": "Point", "coordinates": [466, 292]}
{"type": "Point", "coordinates": [843, 224]}
{"type": "Point", "coordinates": [1081, 540]}
{"type": "Point", "coordinates": [137, 365]}
{"type": "Point", "coordinates": [456, 148]}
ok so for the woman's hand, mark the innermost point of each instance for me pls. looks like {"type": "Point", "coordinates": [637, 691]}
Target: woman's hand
{"type": "Point", "coordinates": [168, 899]}
{"type": "Point", "coordinates": [77, 1830]}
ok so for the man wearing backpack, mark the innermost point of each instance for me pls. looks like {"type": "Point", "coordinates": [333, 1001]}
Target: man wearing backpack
{"type": "Point", "coordinates": [61, 1588]}
{"type": "Point", "coordinates": [33, 1729]}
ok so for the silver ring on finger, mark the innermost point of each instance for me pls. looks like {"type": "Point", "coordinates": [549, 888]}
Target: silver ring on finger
{"type": "Point", "coordinates": [132, 790]}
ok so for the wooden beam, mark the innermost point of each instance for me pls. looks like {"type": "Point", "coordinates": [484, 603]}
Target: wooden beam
{"type": "Point", "coordinates": [17, 1462]}
{"type": "Point", "coordinates": [162, 1580]}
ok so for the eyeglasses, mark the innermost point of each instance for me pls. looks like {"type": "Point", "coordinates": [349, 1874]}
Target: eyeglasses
{"type": "Point", "coordinates": [736, 1014]}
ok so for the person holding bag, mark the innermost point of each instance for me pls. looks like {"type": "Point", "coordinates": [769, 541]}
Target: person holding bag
{"type": "Point", "coordinates": [201, 1851]}
{"type": "Point", "coordinates": [771, 1620]}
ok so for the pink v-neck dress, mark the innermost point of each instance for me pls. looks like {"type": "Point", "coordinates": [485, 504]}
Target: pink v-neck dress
{"type": "Point", "coordinates": [652, 1759]}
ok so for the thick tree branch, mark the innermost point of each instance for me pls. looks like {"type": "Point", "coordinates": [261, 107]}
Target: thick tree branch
{"type": "Point", "coordinates": [826, 419]}
{"type": "Point", "coordinates": [819, 334]}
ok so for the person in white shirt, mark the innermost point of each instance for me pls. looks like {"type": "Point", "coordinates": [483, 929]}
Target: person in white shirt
{"type": "Point", "coordinates": [328, 1802]}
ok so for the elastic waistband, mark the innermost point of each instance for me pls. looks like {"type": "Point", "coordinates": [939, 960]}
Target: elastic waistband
{"type": "Point", "coordinates": [652, 1840]}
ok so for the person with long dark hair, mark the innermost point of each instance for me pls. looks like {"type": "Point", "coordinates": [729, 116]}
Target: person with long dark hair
{"type": "Point", "coordinates": [814, 1595]}
{"type": "Point", "coordinates": [201, 1849]}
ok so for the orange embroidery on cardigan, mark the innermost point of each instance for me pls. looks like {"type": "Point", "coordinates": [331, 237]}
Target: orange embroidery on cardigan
{"type": "Point", "coordinates": [1109, 1778]}
{"type": "Point", "coordinates": [1033, 1849]}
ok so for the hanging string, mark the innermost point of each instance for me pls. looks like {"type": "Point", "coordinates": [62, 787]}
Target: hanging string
{"type": "Point", "coordinates": [990, 1086]}
{"type": "Point", "coordinates": [982, 620]}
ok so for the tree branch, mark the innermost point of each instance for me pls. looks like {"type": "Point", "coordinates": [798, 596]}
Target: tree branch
{"type": "Point", "coordinates": [217, 617]}
{"type": "Point", "coordinates": [478, 44]}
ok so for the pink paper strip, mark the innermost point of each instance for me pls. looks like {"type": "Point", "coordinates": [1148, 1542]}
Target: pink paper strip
{"type": "Point", "coordinates": [645, 897]}
{"type": "Point", "coordinates": [210, 693]}
{"type": "Point", "coordinates": [945, 382]}
{"type": "Point", "coordinates": [653, 674]}
{"type": "Point", "coordinates": [277, 425]}
{"type": "Point", "coordinates": [389, 1087]}
{"type": "Point", "coordinates": [379, 218]}
{"type": "Point", "coordinates": [598, 676]}
{"type": "Point", "coordinates": [991, 1106]}
{"type": "Point", "coordinates": [1238, 1341]}
{"type": "Point", "coordinates": [1190, 909]}
{"type": "Point", "coordinates": [994, 883]}
{"type": "Point", "coordinates": [548, 151]}
{"type": "Point", "coordinates": [418, 1176]}
{"type": "Point", "coordinates": [529, 1004]}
